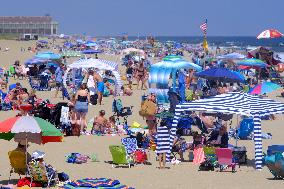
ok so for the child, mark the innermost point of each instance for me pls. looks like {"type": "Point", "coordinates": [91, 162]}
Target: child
{"type": "Point", "coordinates": [163, 143]}
{"type": "Point", "coordinates": [100, 123]}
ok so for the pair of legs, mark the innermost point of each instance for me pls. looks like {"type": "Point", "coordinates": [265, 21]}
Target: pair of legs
{"type": "Point", "coordinates": [81, 120]}
{"type": "Point", "coordinates": [152, 128]}
{"type": "Point", "coordinates": [162, 160]}
{"type": "Point", "coordinates": [58, 87]}
{"type": "Point", "coordinates": [140, 78]}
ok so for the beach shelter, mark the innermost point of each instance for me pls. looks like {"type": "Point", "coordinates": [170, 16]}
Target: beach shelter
{"type": "Point", "coordinates": [233, 103]}
{"type": "Point", "coordinates": [99, 64]}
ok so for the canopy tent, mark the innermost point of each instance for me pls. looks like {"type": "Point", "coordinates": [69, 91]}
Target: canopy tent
{"type": "Point", "coordinates": [233, 103]}
{"type": "Point", "coordinates": [99, 64]}
{"type": "Point", "coordinates": [71, 54]}
{"type": "Point", "coordinates": [129, 50]}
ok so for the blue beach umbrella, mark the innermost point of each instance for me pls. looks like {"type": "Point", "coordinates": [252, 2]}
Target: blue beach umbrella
{"type": "Point", "coordinates": [43, 41]}
{"type": "Point", "coordinates": [34, 61]}
{"type": "Point", "coordinates": [48, 55]}
{"type": "Point", "coordinates": [91, 51]}
{"type": "Point", "coordinates": [221, 74]}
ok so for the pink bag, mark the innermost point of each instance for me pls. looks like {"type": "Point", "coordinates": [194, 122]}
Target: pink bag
{"type": "Point", "coordinates": [199, 155]}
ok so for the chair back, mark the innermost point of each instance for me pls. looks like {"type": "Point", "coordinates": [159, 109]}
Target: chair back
{"type": "Point", "coordinates": [38, 171]}
{"type": "Point", "coordinates": [209, 150]}
{"type": "Point", "coordinates": [118, 154]}
{"type": "Point", "coordinates": [224, 156]}
{"type": "Point", "coordinates": [18, 161]}
{"type": "Point", "coordinates": [130, 144]}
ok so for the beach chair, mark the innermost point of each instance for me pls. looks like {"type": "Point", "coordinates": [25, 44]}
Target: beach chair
{"type": "Point", "coordinates": [130, 144]}
{"type": "Point", "coordinates": [225, 158]}
{"type": "Point", "coordinates": [120, 156]}
{"type": "Point", "coordinates": [17, 162]}
{"type": "Point", "coordinates": [38, 173]}
{"type": "Point", "coordinates": [210, 154]}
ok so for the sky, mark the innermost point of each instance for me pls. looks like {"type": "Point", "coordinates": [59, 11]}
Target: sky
{"type": "Point", "coordinates": [154, 17]}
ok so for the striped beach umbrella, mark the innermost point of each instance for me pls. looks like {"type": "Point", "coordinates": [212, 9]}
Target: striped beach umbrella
{"type": "Point", "coordinates": [30, 129]}
{"type": "Point", "coordinates": [252, 63]}
{"type": "Point", "coordinates": [269, 34]}
{"type": "Point", "coordinates": [264, 88]}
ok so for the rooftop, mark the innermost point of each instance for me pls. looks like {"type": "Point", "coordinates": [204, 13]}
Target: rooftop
{"type": "Point", "coordinates": [25, 19]}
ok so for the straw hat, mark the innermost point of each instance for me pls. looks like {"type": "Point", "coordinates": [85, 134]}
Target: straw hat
{"type": "Point", "coordinates": [38, 154]}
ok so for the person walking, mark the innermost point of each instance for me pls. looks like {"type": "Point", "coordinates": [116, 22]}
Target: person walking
{"type": "Point", "coordinates": [82, 98]}
{"type": "Point", "coordinates": [59, 79]}
{"type": "Point", "coordinates": [163, 143]}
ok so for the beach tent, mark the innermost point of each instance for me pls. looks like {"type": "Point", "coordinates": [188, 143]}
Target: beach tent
{"type": "Point", "coordinates": [160, 75]}
{"type": "Point", "coordinates": [233, 103]}
{"type": "Point", "coordinates": [99, 64]}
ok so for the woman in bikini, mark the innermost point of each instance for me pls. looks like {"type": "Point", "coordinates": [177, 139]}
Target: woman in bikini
{"type": "Point", "coordinates": [140, 75]}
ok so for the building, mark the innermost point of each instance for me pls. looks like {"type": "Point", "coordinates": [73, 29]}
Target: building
{"type": "Point", "coordinates": [35, 25]}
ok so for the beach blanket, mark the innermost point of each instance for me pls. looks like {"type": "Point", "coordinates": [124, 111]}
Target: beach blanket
{"type": "Point", "coordinates": [99, 183]}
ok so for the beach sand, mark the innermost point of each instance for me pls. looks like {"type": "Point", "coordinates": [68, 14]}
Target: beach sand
{"type": "Point", "coordinates": [182, 176]}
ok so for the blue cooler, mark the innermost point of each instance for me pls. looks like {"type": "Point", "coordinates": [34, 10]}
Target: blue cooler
{"type": "Point", "coordinates": [275, 148]}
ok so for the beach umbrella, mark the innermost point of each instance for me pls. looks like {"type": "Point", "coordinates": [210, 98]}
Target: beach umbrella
{"type": "Point", "coordinates": [91, 44]}
{"type": "Point", "coordinates": [91, 51]}
{"type": "Point", "coordinates": [252, 63]}
{"type": "Point", "coordinates": [52, 64]}
{"type": "Point", "coordinates": [264, 88]}
{"type": "Point", "coordinates": [34, 61]}
{"type": "Point", "coordinates": [43, 41]}
{"type": "Point", "coordinates": [232, 56]}
{"type": "Point", "coordinates": [29, 129]}
{"type": "Point", "coordinates": [172, 58]}
{"type": "Point", "coordinates": [48, 55]}
{"type": "Point", "coordinates": [270, 33]}
{"type": "Point", "coordinates": [221, 74]}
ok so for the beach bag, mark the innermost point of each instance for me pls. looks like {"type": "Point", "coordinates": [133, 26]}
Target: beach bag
{"type": "Point", "coordinates": [81, 159]}
{"type": "Point", "coordinates": [94, 99]}
{"type": "Point", "coordinates": [148, 108]}
{"type": "Point", "coordinates": [140, 156]}
{"type": "Point", "coordinates": [206, 166]}
{"type": "Point", "coordinates": [117, 105]}
{"type": "Point", "coordinates": [62, 177]}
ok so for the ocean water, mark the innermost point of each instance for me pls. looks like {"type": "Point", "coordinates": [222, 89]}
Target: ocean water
{"type": "Point", "coordinates": [275, 44]}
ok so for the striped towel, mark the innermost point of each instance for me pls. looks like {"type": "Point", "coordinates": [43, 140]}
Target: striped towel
{"type": "Point", "coordinates": [95, 183]}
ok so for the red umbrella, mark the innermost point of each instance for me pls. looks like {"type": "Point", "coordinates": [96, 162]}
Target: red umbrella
{"type": "Point", "coordinates": [268, 34]}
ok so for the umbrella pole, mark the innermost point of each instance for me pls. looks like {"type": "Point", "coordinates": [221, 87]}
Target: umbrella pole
{"type": "Point", "coordinates": [26, 151]}
{"type": "Point", "coordinates": [237, 131]}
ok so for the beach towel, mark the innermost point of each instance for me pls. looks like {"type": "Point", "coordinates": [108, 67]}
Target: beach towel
{"type": "Point", "coordinates": [95, 183]}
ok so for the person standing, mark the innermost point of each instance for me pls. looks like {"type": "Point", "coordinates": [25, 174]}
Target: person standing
{"type": "Point", "coordinates": [59, 79]}
{"type": "Point", "coordinates": [82, 98]}
{"type": "Point", "coordinates": [129, 74]}
{"type": "Point", "coordinates": [100, 86]}
{"type": "Point", "coordinates": [163, 143]}
{"type": "Point", "coordinates": [92, 87]}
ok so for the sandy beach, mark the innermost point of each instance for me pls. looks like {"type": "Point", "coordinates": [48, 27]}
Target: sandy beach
{"type": "Point", "coordinates": [182, 176]}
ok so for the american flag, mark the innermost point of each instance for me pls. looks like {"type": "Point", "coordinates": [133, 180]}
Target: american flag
{"type": "Point", "coordinates": [203, 26]}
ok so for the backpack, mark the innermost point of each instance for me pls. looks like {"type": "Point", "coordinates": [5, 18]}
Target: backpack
{"type": "Point", "coordinates": [148, 108]}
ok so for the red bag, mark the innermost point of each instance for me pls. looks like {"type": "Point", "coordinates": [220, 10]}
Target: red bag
{"type": "Point", "coordinates": [140, 156]}
{"type": "Point", "coordinates": [26, 181]}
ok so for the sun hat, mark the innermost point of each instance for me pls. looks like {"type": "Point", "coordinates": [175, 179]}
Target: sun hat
{"type": "Point", "coordinates": [38, 154]}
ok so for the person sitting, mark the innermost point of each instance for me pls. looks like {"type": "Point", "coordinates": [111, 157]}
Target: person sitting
{"type": "Point", "coordinates": [126, 91]}
{"type": "Point", "coordinates": [180, 145]}
{"type": "Point", "coordinates": [219, 138]}
{"type": "Point", "coordinates": [37, 157]}
{"type": "Point", "coordinates": [100, 123]}
{"type": "Point", "coordinates": [111, 126]}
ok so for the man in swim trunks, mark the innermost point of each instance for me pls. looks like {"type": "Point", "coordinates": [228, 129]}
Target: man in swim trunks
{"type": "Point", "coordinates": [100, 86]}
